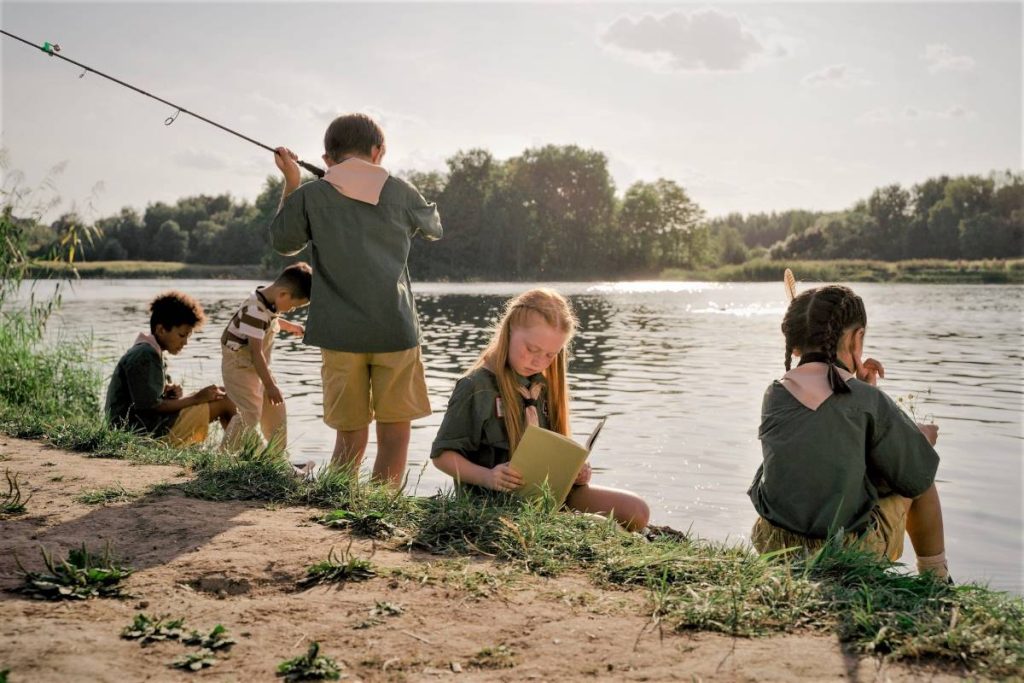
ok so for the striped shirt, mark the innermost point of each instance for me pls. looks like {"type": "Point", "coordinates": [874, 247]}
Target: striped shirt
{"type": "Point", "coordinates": [250, 321]}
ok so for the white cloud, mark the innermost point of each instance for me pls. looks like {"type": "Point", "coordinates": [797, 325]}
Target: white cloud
{"type": "Point", "coordinates": [940, 57]}
{"type": "Point", "coordinates": [838, 76]}
{"type": "Point", "coordinates": [883, 115]}
{"type": "Point", "coordinates": [880, 115]}
{"type": "Point", "coordinates": [703, 40]}
{"type": "Point", "coordinates": [200, 159]}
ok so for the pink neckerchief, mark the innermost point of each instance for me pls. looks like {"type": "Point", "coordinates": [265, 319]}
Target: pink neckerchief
{"type": "Point", "coordinates": [808, 383]}
{"type": "Point", "coordinates": [358, 179]}
{"type": "Point", "coordinates": [144, 338]}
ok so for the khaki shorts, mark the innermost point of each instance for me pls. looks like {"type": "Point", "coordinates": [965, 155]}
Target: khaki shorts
{"type": "Point", "coordinates": [191, 426]}
{"type": "Point", "coordinates": [884, 535]}
{"type": "Point", "coordinates": [361, 387]}
{"type": "Point", "coordinates": [246, 391]}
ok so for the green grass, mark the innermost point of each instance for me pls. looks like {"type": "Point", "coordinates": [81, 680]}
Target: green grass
{"type": "Point", "coordinates": [82, 575]}
{"type": "Point", "coordinates": [11, 502]}
{"type": "Point", "coordinates": [195, 661]}
{"type": "Point", "coordinates": [346, 568]}
{"type": "Point", "coordinates": [111, 494]}
{"type": "Point", "coordinates": [217, 639]}
{"type": "Point", "coordinates": [311, 666]}
{"type": "Point", "coordinates": [499, 657]}
{"type": "Point", "coordinates": [146, 269]}
{"type": "Point", "coordinates": [932, 271]}
{"type": "Point", "coordinates": [147, 629]}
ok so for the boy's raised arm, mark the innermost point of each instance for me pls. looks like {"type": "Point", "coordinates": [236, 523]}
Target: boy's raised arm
{"type": "Point", "coordinates": [289, 231]}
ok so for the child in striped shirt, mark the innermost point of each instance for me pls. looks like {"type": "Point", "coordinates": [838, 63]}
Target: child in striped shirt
{"type": "Point", "coordinates": [246, 345]}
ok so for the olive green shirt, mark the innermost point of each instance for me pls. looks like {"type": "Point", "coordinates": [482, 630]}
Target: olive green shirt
{"type": "Point", "coordinates": [471, 424]}
{"type": "Point", "coordinates": [361, 298]}
{"type": "Point", "coordinates": [827, 468]}
{"type": "Point", "coordinates": [135, 390]}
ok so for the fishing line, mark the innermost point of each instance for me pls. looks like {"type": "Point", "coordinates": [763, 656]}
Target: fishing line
{"type": "Point", "coordinates": [53, 49]}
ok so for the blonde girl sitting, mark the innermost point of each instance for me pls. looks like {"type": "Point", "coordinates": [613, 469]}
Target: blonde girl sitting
{"type": "Point", "coordinates": [839, 454]}
{"type": "Point", "coordinates": [520, 379]}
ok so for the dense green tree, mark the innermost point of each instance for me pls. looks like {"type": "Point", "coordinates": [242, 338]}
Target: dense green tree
{"type": "Point", "coordinates": [170, 242]}
{"type": "Point", "coordinates": [552, 212]}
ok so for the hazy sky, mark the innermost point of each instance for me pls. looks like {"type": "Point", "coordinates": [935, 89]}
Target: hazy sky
{"type": "Point", "coordinates": [751, 107]}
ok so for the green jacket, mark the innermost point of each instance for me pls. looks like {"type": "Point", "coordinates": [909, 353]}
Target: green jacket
{"type": "Point", "coordinates": [361, 299]}
{"type": "Point", "coordinates": [827, 468]}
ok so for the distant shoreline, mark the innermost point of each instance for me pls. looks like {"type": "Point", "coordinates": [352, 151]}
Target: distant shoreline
{"type": "Point", "coordinates": [931, 271]}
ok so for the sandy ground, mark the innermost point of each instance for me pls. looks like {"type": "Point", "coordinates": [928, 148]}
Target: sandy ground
{"type": "Point", "coordinates": [236, 564]}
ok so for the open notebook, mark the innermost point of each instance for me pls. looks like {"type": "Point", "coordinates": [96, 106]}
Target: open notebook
{"type": "Point", "coordinates": [546, 456]}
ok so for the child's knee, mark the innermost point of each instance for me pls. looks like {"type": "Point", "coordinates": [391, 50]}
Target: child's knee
{"type": "Point", "coordinates": [634, 513]}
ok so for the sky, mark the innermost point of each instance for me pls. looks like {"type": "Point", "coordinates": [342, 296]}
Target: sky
{"type": "Point", "coordinates": [750, 107]}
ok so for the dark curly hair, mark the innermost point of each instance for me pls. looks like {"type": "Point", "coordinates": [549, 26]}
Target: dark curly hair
{"type": "Point", "coordinates": [173, 308]}
{"type": "Point", "coordinates": [817, 318]}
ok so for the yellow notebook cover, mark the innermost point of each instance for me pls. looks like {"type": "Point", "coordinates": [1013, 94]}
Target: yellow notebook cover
{"type": "Point", "coordinates": [543, 455]}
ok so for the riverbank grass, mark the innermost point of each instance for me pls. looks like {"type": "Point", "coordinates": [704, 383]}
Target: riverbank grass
{"type": "Point", "coordinates": [137, 270]}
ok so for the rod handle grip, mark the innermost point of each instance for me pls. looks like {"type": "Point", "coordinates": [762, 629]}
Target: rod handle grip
{"type": "Point", "coordinates": [315, 170]}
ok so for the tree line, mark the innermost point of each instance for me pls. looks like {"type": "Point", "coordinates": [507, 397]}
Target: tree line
{"type": "Point", "coordinates": [553, 213]}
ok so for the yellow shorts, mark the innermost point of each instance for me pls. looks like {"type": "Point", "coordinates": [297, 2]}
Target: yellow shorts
{"type": "Point", "coordinates": [884, 535]}
{"type": "Point", "coordinates": [190, 427]}
{"type": "Point", "coordinates": [361, 387]}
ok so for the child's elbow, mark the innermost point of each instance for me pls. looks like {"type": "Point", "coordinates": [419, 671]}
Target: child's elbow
{"type": "Point", "coordinates": [440, 461]}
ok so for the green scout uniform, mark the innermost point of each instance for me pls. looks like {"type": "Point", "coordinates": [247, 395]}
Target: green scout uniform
{"type": "Point", "coordinates": [135, 389]}
{"type": "Point", "coordinates": [827, 468]}
{"type": "Point", "coordinates": [361, 298]}
{"type": "Point", "coordinates": [472, 426]}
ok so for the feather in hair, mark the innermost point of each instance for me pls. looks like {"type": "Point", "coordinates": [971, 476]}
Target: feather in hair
{"type": "Point", "coordinates": [790, 282]}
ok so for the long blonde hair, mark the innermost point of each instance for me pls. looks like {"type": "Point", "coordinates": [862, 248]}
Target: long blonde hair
{"type": "Point", "coordinates": [523, 311]}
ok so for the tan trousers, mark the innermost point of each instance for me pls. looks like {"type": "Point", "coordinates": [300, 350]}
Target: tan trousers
{"type": "Point", "coordinates": [883, 537]}
{"type": "Point", "coordinates": [245, 389]}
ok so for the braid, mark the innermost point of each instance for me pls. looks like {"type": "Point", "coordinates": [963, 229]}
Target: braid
{"type": "Point", "coordinates": [839, 321]}
{"type": "Point", "coordinates": [789, 356]}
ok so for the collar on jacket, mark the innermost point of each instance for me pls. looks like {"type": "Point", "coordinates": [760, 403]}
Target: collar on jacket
{"type": "Point", "coordinates": [358, 179]}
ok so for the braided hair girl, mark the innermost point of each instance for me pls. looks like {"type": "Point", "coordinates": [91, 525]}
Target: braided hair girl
{"type": "Point", "coordinates": [840, 459]}
{"type": "Point", "coordinates": [816, 322]}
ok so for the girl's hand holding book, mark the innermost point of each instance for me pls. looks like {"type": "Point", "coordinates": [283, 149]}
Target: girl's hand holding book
{"type": "Point", "coordinates": [583, 477]}
{"type": "Point", "coordinates": [504, 478]}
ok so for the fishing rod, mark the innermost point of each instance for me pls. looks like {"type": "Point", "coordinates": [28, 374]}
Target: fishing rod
{"type": "Point", "coordinates": [53, 49]}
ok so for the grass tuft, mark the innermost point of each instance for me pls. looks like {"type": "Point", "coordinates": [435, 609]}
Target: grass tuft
{"type": "Point", "coordinates": [499, 657]}
{"type": "Point", "coordinates": [194, 661]}
{"type": "Point", "coordinates": [216, 639]}
{"type": "Point", "coordinates": [11, 503]}
{"type": "Point", "coordinates": [147, 629]}
{"type": "Point", "coordinates": [336, 569]}
{"type": "Point", "coordinates": [311, 666]}
{"type": "Point", "coordinates": [81, 576]}
{"type": "Point", "coordinates": [111, 494]}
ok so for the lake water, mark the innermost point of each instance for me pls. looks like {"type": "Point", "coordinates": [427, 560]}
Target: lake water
{"type": "Point", "coordinates": [680, 369]}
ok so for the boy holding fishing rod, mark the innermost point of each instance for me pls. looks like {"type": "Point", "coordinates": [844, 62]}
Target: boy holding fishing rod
{"type": "Point", "coordinates": [360, 221]}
